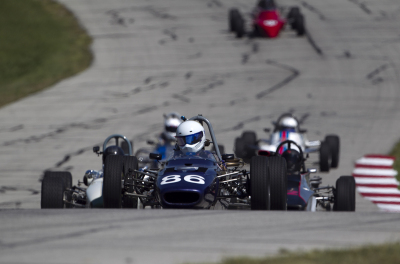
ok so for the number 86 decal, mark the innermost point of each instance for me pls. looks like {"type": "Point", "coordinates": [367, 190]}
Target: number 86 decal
{"type": "Point", "coordinates": [177, 178]}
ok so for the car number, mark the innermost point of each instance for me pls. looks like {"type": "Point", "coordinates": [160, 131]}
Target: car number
{"type": "Point", "coordinates": [188, 178]}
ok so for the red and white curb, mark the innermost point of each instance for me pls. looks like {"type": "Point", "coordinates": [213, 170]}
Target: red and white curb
{"type": "Point", "coordinates": [376, 181]}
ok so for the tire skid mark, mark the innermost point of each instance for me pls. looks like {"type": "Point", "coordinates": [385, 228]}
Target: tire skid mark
{"type": "Point", "coordinates": [294, 74]}
{"type": "Point", "coordinates": [314, 10]}
{"type": "Point", "coordinates": [181, 98]}
{"type": "Point", "coordinates": [241, 124]}
{"type": "Point", "coordinates": [362, 6]}
{"type": "Point", "coordinates": [216, 3]}
{"type": "Point", "coordinates": [373, 76]}
{"type": "Point", "coordinates": [4, 189]}
{"type": "Point", "coordinates": [313, 43]}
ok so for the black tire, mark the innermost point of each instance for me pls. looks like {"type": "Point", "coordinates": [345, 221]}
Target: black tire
{"type": "Point", "coordinates": [250, 141]}
{"type": "Point", "coordinates": [240, 148]}
{"type": "Point", "coordinates": [324, 157]}
{"type": "Point", "coordinates": [334, 145]}
{"type": "Point", "coordinates": [345, 196]}
{"type": "Point", "coordinates": [233, 13]}
{"type": "Point", "coordinates": [130, 163]}
{"type": "Point", "coordinates": [260, 183]}
{"type": "Point", "coordinates": [293, 13]}
{"type": "Point", "coordinates": [52, 191]}
{"type": "Point", "coordinates": [125, 147]}
{"type": "Point", "coordinates": [300, 25]}
{"type": "Point", "coordinates": [113, 168]}
{"type": "Point", "coordinates": [278, 178]}
{"type": "Point", "coordinates": [238, 24]}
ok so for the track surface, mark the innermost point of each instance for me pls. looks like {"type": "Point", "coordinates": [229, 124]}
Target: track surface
{"type": "Point", "coordinates": [153, 57]}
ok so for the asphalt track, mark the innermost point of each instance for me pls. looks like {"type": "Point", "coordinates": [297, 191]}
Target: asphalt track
{"type": "Point", "coordinates": [153, 57]}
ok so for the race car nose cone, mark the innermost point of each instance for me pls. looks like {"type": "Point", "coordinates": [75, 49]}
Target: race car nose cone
{"type": "Point", "coordinates": [270, 23]}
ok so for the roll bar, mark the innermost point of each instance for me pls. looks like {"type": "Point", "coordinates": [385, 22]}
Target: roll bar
{"type": "Point", "coordinates": [214, 140]}
{"type": "Point", "coordinates": [117, 136]}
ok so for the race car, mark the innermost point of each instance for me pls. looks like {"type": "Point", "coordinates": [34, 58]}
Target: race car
{"type": "Point", "coordinates": [266, 20]}
{"type": "Point", "coordinates": [58, 192]}
{"type": "Point", "coordinates": [187, 180]}
{"type": "Point", "coordinates": [287, 128]}
{"type": "Point", "coordinates": [303, 192]}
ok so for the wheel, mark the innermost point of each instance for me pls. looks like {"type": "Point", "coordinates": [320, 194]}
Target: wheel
{"type": "Point", "coordinates": [238, 25]}
{"type": "Point", "coordinates": [293, 12]}
{"type": "Point", "coordinates": [324, 157]}
{"type": "Point", "coordinates": [233, 13]}
{"type": "Point", "coordinates": [250, 142]}
{"type": "Point", "coordinates": [53, 188]}
{"type": "Point", "coordinates": [334, 145]}
{"type": "Point", "coordinates": [345, 196]}
{"type": "Point", "coordinates": [260, 183]}
{"type": "Point", "coordinates": [125, 147]}
{"type": "Point", "coordinates": [239, 148]}
{"type": "Point", "coordinates": [278, 177]}
{"type": "Point", "coordinates": [130, 162]}
{"type": "Point", "coordinates": [113, 167]}
{"type": "Point", "coordinates": [299, 25]}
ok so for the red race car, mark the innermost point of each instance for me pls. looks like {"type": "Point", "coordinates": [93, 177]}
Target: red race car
{"type": "Point", "coordinates": [266, 20]}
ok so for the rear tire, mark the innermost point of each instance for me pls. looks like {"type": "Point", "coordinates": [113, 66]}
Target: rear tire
{"type": "Point", "coordinates": [324, 157]}
{"type": "Point", "coordinates": [299, 25]}
{"type": "Point", "coordinates": [113, 167]}
{"type": "Point", "coordinates": [293, 13]}
{"type": "Point", "coordinates": [345, 197]}
{"type": "Point", "coordinates": [260, 183]}
{"type": "Point", "coordinates": [53, 187]}
{"type": "Point", "coordinates": [334, 145]}
{"type": "Point", "coordinates": [278, 178]}
{"type": "Point", "coordinates": [239, 148]}
{"type": "Point", "coordinates": [130, 162]}
{"type": "Point", "coordinates": [250, 141]}
{"type": "Point", "coordinates": [233, 13]}
{"type": "Point", "coordinates": [238, 25]}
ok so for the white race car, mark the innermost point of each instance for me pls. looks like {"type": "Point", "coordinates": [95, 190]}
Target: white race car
{"type": "Point", "coordinates": [287, 128]}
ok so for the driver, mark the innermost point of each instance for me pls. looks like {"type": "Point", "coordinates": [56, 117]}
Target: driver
{"type": "Point", "coordinates": [190, 137]}
{"type": "Point", "coordinates": [293, 160]}
{"type": "Point", "coordinates": [288, 124]}
{"type": "Point", "coordinates": [171, 123]}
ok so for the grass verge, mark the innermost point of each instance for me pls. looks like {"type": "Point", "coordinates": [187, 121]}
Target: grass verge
{"type": "Point", "coordinates": [396, 153]}
{"type": "Point", "coordinates": [41, 44]}
{"type": "Point", "coordinates": [387, 253]}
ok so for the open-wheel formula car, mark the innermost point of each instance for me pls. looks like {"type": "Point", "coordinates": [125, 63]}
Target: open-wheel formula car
{"type": "Point", "coordinates": [99, 185]}
{"type": "Point", "coordinates": [194, 181]}
{"type": "Point", "coordinates": [287, 128]}
{"type": "Point", "coordinates": [266, 20]}
{"type": "Point", "coordinates": [305, 193]}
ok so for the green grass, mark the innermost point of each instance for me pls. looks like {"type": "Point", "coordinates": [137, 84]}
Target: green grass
{"type": "Point", "coordinates": [41, 43]}
{"type": "Point", "coordinates": [387, 253]}
{"type": "Point", "coordinates": [396, 153]}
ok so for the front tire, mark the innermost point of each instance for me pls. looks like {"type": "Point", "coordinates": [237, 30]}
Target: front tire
{"type": "Point", "coordinates": [113, 167]}
{"type": "Point", "coordinates": [345, 197]}
{"type": "Point", "coordinates": [278, 178]}
{"type": "Point", "coordinates": [53, 187]}
{"type": "Point", "coordinates": [324, 157]}
{"type": "Point", "coordinates": [260, 183]}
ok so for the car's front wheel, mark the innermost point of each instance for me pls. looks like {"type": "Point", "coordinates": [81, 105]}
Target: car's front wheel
{"type": "Point", "coordinates": [112, 183]}
{"type": "Point", "coordinates": [345, 196]}
{"type": "Point", "coordinates": [260, 183]}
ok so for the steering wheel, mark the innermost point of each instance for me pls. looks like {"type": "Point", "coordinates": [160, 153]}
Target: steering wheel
{"type": "Point", "coordinates": [289, 142]}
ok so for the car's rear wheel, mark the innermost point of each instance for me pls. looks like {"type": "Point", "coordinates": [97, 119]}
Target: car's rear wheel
{"type": "Point", "coordinates": [324, 157]}
{"type": "Point", "coordinates": [113, 168]}
{"type": "Point", "coordinates": [260, 183]}
{"type": "Point", "coordinates": [293, 12]}
{"type": "Point", "coordinates": [250, 144]}
{"type": "Point", "coordinates": [53, 187]}
{"type": "Point", "coordinates": [300, 25]}
{"type": "Point", "coordinates": [238, 23]}
{"type": "Point", "coordinates": [130, 164]}
{"type": "Point", "coordinates": [334, 145]}
{"type": "Point", "coordinates": [239, 148]}
{"type": "Point", "coordinates": [233, 13]}
{"type": "Point", "coordinates": [345, 196]}
{"type": "Point", "coordinates": [278, 177]}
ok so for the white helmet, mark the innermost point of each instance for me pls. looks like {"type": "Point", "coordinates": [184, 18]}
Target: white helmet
{"type": "Point", "coordinates": [288, 123]}
{"type": "Point", "coordinates": [171, 123]}
{"type": "Point", "coordinates": [190, 136]}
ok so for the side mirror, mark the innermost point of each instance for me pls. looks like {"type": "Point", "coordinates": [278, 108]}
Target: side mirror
{"type": "Point", "coordinates": [155, 156]}
{"type": "Point", "coordinates": [228, 156]}
{"type": "Point", "coordinates": [96, 149]}
{"type": "Point", "coordinates": [267, 130]}
{"type": "Point", "coordinates": [150, 142]}
{"type": "Point", "coordinates": [207, 142]}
